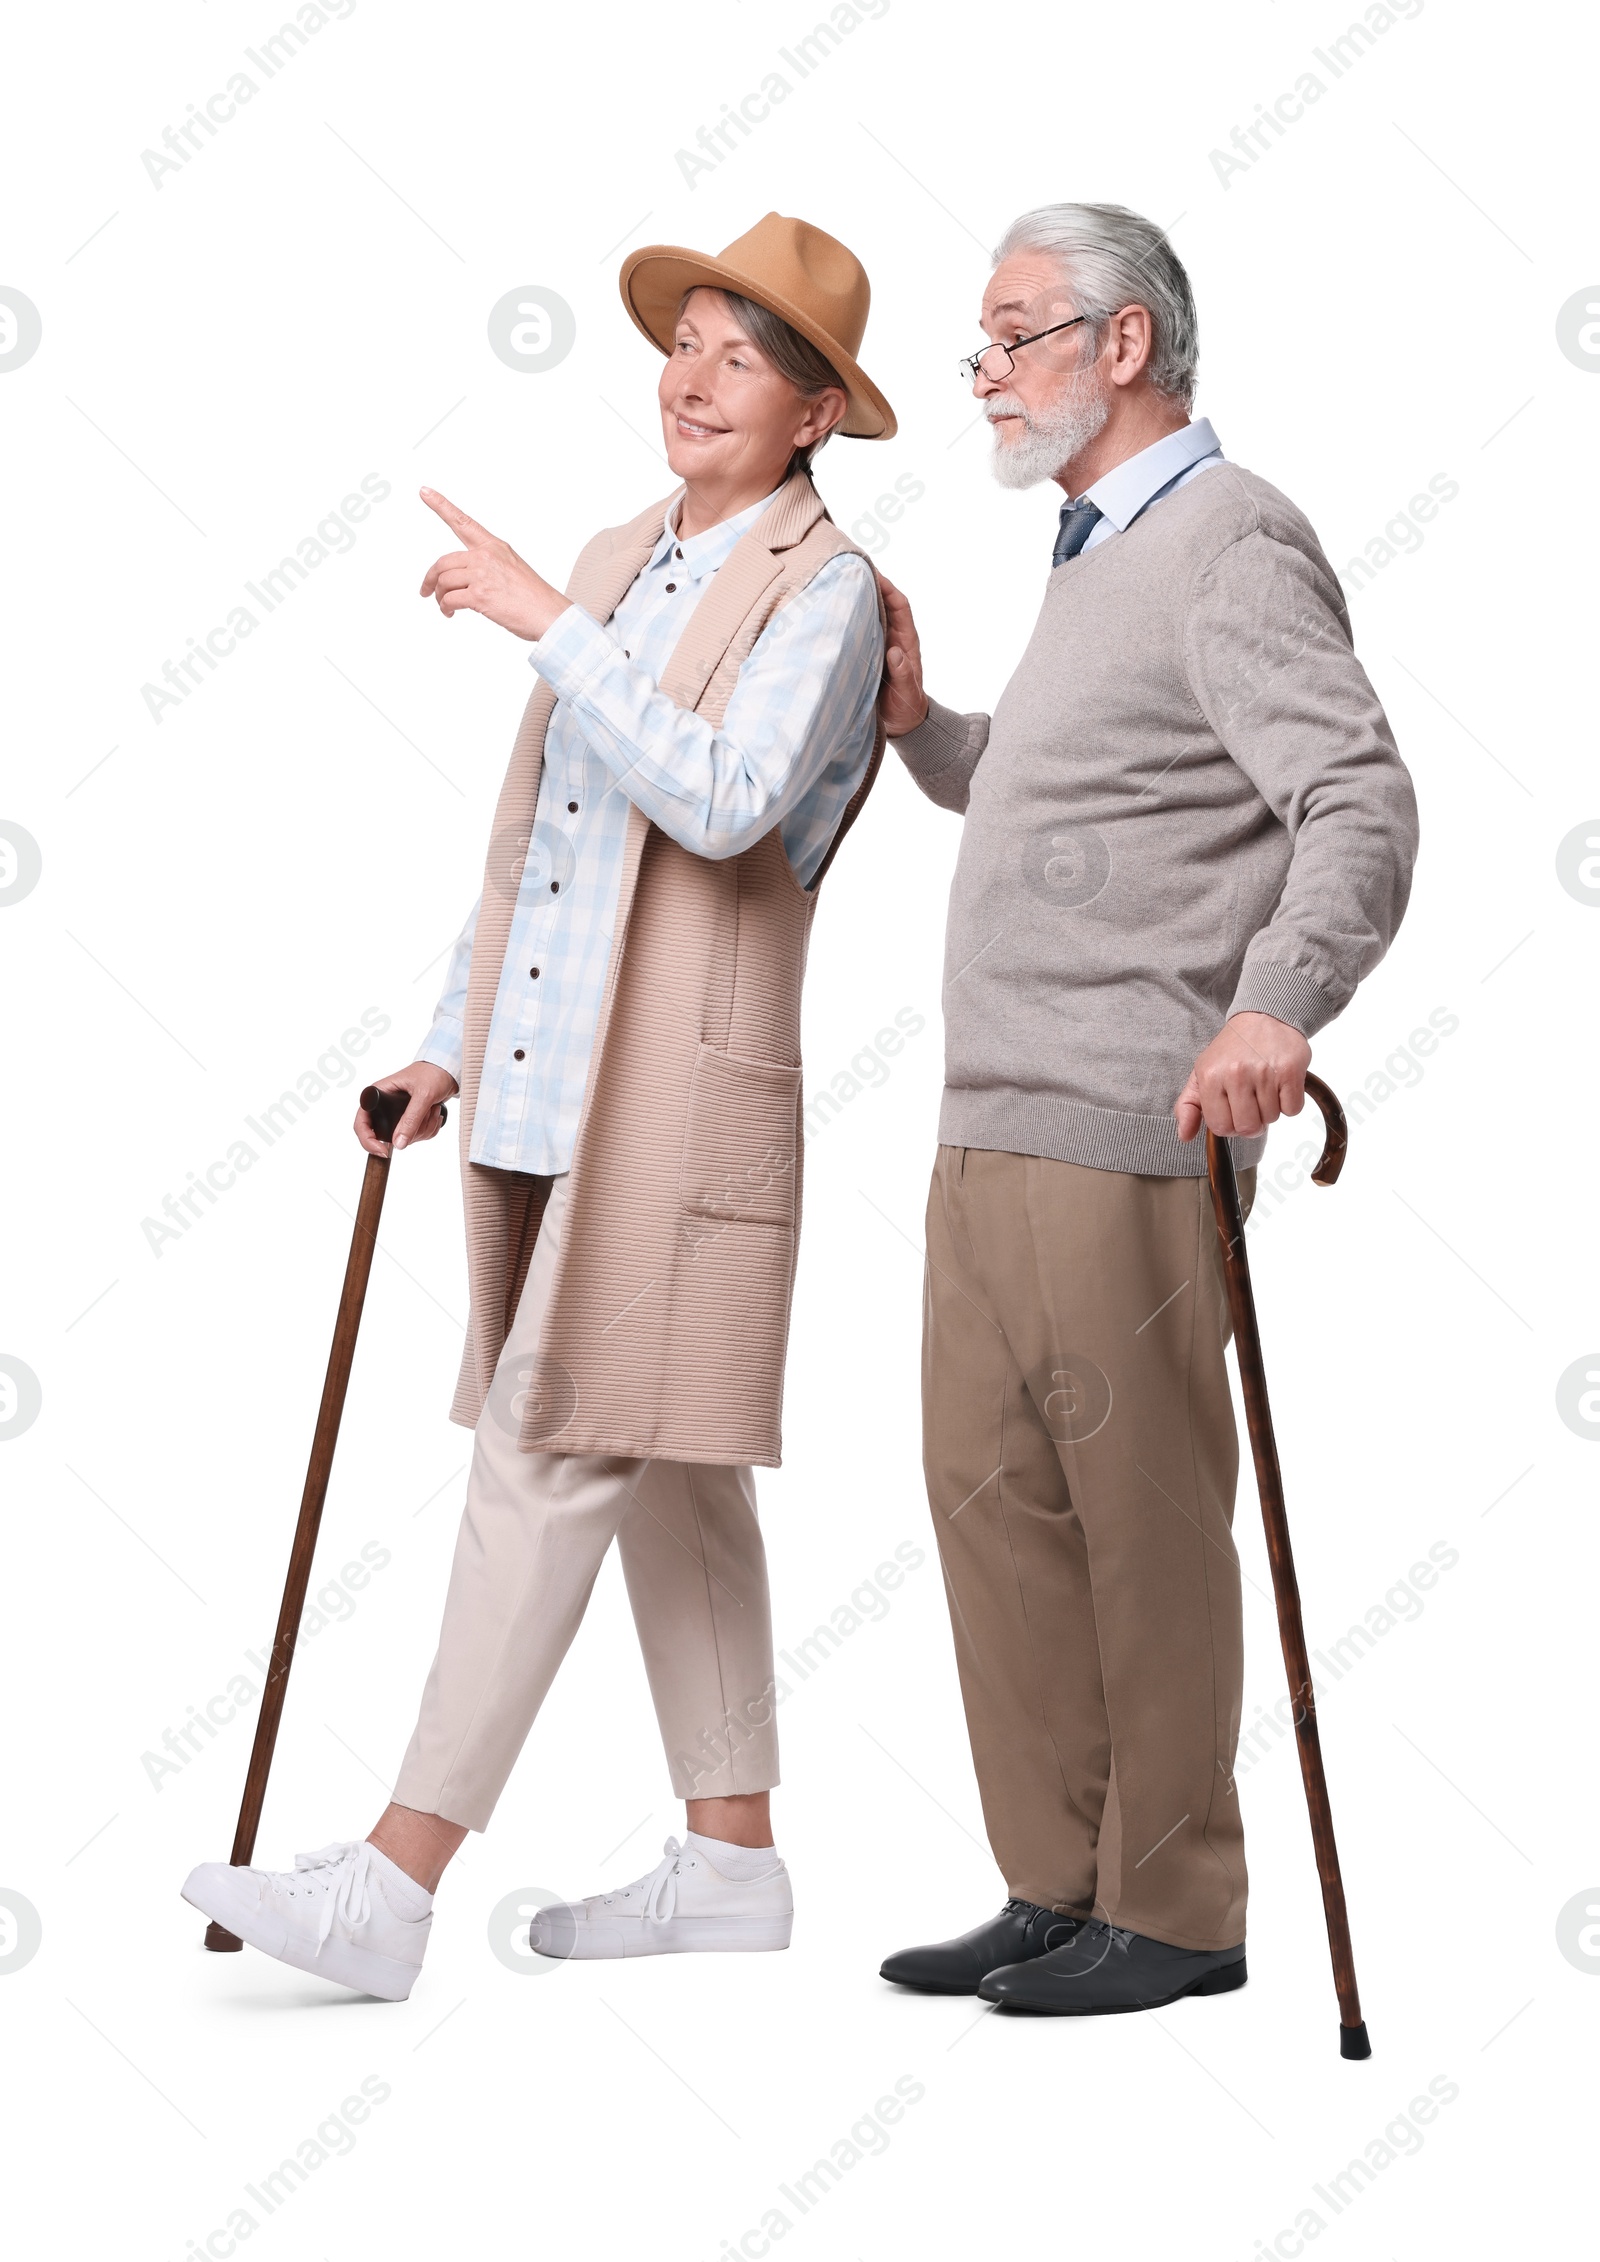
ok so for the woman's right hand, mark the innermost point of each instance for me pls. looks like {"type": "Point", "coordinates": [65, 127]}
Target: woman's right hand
{"type": "Point", "coordinates": [427, 1088]}
{"type": "Point", "coordinates": [902, 702]}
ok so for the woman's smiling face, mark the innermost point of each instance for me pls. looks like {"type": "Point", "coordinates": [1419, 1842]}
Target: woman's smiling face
{"type": "Point", "coordinates": [727, 415]}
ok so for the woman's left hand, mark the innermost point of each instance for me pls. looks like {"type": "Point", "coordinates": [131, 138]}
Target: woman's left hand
{"type": "Point", "coordinates": [488, 577]}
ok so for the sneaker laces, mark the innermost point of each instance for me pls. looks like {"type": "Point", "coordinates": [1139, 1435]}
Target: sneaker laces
{"type": "Point", "coordinates": [661, 1886]}
{"type": "Point", "coordinates": [345, 1873]}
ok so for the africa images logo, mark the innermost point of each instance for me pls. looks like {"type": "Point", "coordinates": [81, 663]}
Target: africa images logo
{"type": "Point", "coordinates": [20, 329]}
{"type": "Point", "coordinates": [531, 329]}
{"type": "Point", "coordinates": [1578, 329]}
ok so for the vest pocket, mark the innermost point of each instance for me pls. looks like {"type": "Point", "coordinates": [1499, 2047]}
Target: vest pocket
{"type": "Point", "coordinates": [739, 1140]}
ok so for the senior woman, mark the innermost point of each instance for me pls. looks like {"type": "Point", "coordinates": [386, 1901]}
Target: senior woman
{"type": "Point", "coordinates": [622, 1020]}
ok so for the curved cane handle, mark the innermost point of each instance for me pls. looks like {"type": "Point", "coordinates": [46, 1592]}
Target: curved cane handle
{"type": "Point", "coordinates": [1335, 1132]}
{"type": "Point", "coordinates": [1335, 1142]}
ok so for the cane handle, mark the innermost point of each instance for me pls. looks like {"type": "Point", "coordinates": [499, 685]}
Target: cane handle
{"type": "Point", "coordinates": [384, 1110]}
{"type": "Point", "coordinates": [1335, 1132]}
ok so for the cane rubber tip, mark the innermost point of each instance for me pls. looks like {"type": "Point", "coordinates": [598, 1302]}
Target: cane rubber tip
{"type": "Point", "coordinates": [1353, 2041]}
{"type": "Point", "coordinates": [220, 1941]}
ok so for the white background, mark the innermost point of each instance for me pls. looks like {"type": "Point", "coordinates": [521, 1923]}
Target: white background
{"type": "Point", "coordinates": [223, 357]}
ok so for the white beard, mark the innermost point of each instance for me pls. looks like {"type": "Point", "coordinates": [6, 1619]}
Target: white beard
{"type": "Point", "coordinates": [1050, 438]}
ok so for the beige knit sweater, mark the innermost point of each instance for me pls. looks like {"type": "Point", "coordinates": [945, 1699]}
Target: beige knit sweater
{"type": "Point", "coordinates": [1188, 803]}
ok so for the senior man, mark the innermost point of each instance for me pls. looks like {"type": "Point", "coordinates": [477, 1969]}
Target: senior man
{"type": "Point", "coordinates": [1188, 836]}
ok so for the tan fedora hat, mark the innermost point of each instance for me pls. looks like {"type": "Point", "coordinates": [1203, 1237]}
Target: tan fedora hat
{"type": "Point", "coordinates": [818, 286]}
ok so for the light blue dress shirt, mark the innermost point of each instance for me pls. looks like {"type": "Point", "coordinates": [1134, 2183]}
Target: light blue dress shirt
{"type": "Point", "coordinates": [791, 750]}
{"type": "Point", "coordinates": [1161, 469]}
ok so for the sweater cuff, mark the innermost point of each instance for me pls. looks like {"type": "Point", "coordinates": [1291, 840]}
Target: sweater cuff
{"type": "Point", "coordinates": [941, 741]}
{"type": "Point", "coordinates": [938, 738]}
{"type": "Point", "coordinates": [1287, 993]}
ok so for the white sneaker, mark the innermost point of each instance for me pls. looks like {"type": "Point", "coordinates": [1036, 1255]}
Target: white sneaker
{"type": "Point", "coordinates": [331, 1915]}
{"type": "Point", "coordinates": [684, 1904]}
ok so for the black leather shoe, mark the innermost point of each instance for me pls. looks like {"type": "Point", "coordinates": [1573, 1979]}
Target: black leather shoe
{"type": "Point", "coordinates": [954, 1967]}
{"type": "Point", "coordinates": [1102, 1968]}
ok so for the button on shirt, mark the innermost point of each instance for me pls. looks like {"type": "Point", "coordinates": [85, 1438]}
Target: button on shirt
{"type": "Point", "coordinates": [791, 751]}
{"type": "Point", "coordinates": [1161, 469]}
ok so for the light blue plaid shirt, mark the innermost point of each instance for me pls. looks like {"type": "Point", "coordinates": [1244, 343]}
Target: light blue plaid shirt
{"type": "Point", "coordinates": [793, 747]}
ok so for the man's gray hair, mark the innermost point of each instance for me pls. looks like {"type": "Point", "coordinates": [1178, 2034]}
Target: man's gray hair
{"type": "Point", "coordinates": [1113, 258]}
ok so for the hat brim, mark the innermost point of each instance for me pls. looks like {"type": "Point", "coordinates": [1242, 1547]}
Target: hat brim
{"type": "Point", "coordinates": [654, 280]}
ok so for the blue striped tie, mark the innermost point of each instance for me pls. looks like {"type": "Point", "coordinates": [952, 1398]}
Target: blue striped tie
{"type": "Point", "coordinates": [1078, 522]}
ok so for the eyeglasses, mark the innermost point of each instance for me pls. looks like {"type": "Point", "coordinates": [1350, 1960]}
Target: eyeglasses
{"type": "Point", "coordinates": [980, 364]}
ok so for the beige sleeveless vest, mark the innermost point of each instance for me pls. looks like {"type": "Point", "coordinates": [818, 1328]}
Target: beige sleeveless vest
{"type": "Point", "coordinates": [669, 1311]}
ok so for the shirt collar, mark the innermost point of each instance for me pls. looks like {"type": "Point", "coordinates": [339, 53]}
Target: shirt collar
{"type": "Point", "coordinates": [1122, 494]}
{"type": "Point", "coordinates": [704, 553]}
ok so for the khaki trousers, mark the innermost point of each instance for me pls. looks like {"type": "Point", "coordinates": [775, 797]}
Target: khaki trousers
{"type": "Point", "coordinates": [533, 1535]}
{"type": "Point", "coordinates": [1081, 1456]}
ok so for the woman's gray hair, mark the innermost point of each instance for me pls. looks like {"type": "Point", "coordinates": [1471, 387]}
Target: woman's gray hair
{"type": "Point", "coordinates": [807, 369]}
{"type": "Point", "coordinates": [1113, 258]}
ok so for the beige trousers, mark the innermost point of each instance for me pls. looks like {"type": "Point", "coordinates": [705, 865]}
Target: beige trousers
{"type": "Point", "coordinates": [1081, 1456]}
{"type": "Point", "coordinates": [533, 1535]}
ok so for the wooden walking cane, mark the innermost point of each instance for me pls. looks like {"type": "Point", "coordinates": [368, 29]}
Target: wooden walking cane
{"type": "Point", "coordinates": [1353, 2041]}
{"type": "Point", "coordinates": [384, 1110]}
